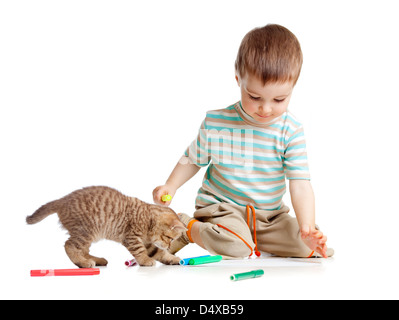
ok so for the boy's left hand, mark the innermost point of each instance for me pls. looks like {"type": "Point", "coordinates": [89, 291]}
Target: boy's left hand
{"type": "Point", "coordinates": [315, 240]}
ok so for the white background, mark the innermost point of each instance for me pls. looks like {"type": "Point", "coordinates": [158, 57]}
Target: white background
{"type": "Point", "coordinates": [112, 92]}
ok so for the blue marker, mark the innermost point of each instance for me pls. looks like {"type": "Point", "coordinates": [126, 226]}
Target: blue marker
{"type": "Point", "coordinates": [184, 262]}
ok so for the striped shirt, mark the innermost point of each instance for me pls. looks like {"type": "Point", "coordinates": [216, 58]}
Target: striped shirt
{"type": "Point", "coordinates": [247, 161]}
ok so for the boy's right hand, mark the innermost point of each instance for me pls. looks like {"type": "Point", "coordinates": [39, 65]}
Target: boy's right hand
{"type": "Point", "coordinates": [160, 191]}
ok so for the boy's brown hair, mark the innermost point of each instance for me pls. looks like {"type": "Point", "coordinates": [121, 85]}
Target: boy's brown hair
{"type": "Point", "coordinates": [271, 53]}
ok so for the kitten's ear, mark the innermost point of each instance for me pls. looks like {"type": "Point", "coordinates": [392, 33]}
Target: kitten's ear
{"type": "Point", "coordinates": [178, 225]}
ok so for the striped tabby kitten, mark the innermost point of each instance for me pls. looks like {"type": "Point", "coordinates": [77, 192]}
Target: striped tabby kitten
{"type": "Point", "coordinates": [96, 213]}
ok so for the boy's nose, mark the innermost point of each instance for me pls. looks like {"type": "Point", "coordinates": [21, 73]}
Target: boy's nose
{"type": "Point", "coordinates": [265, 108]}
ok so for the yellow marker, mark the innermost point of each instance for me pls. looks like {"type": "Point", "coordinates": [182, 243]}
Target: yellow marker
{"type": "Point", "coordinates": [166, 197]}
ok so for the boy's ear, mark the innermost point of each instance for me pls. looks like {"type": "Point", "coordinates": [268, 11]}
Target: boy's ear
{"type": "Point", "coordinates": [238, 80]}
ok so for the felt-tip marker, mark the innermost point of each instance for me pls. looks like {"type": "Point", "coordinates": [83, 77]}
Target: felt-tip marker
{"type": "Point", "coordinates": [247, 275]}
{"type": "Point", "coordinates": [65, 272]}
{"type": "Point", "coordinates": [184, 262]}
{"type": "Point", "coordinates": [130, 263]}
{"type": "Point", "coordinates": [203, 260]}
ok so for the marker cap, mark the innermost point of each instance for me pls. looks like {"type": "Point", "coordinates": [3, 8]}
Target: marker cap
{"type": "Point", "coordinates": [166, 197]}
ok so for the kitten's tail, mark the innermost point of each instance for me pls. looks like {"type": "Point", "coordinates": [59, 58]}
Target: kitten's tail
{"type": "Point", "coordinates": [43, 212]}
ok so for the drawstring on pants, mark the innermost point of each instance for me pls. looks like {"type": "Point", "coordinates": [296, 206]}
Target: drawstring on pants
{"type": "Point", "coordinates": [250, 207]}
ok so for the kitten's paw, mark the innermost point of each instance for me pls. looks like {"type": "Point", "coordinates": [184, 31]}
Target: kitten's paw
{"type": "Point", "coordinates": [172, 260]}
{"type": "Point", "coordinates": [87, 264]}
{"type": "Point", "coordinates": [146, 262]}
{"type": "Point", "coordinates": [175, 260]}
{"type": "Point", "coordinates": [101, 262]}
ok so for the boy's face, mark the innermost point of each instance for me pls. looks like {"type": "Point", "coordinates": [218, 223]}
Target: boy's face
{"type": "Point", "coordinates": [264, 102]}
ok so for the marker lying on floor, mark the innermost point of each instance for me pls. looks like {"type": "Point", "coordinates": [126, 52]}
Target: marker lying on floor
{"type": "Point", "coordinates": [184, 262]}
{"type": "Point", "coordinates": [130, 263]}
{"type": "Point", "coordinates": [203, 260]}
{"type": "Point", "coordinates": [65, 272]}
{"type": "Point", "coordinates": [247, 275]}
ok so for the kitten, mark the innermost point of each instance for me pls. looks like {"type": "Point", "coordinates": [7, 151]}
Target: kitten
{"type": "Point", "coordinates": [96, 213]}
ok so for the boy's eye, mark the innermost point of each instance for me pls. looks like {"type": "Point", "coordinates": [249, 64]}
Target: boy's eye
{"type": "Point", "coordinates": [254, 98]}
{"type": "Point", "coordinates": [278, 101]}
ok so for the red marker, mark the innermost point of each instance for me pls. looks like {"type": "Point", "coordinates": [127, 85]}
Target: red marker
{"type": "Point", "coordinates": [65, 272]}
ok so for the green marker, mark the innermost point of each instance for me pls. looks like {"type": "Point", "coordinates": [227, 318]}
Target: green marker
{"type": "Point", "coordinates": [247, 275]}
{"type": "Point", "coordinates": [202, 260]}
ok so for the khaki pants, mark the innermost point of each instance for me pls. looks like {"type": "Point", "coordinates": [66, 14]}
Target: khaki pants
{"type": "Point", "coordinates": [225, 232]}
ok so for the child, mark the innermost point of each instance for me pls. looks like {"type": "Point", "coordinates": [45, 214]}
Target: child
{"type": "Point", "coordinates": [250, 148]}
